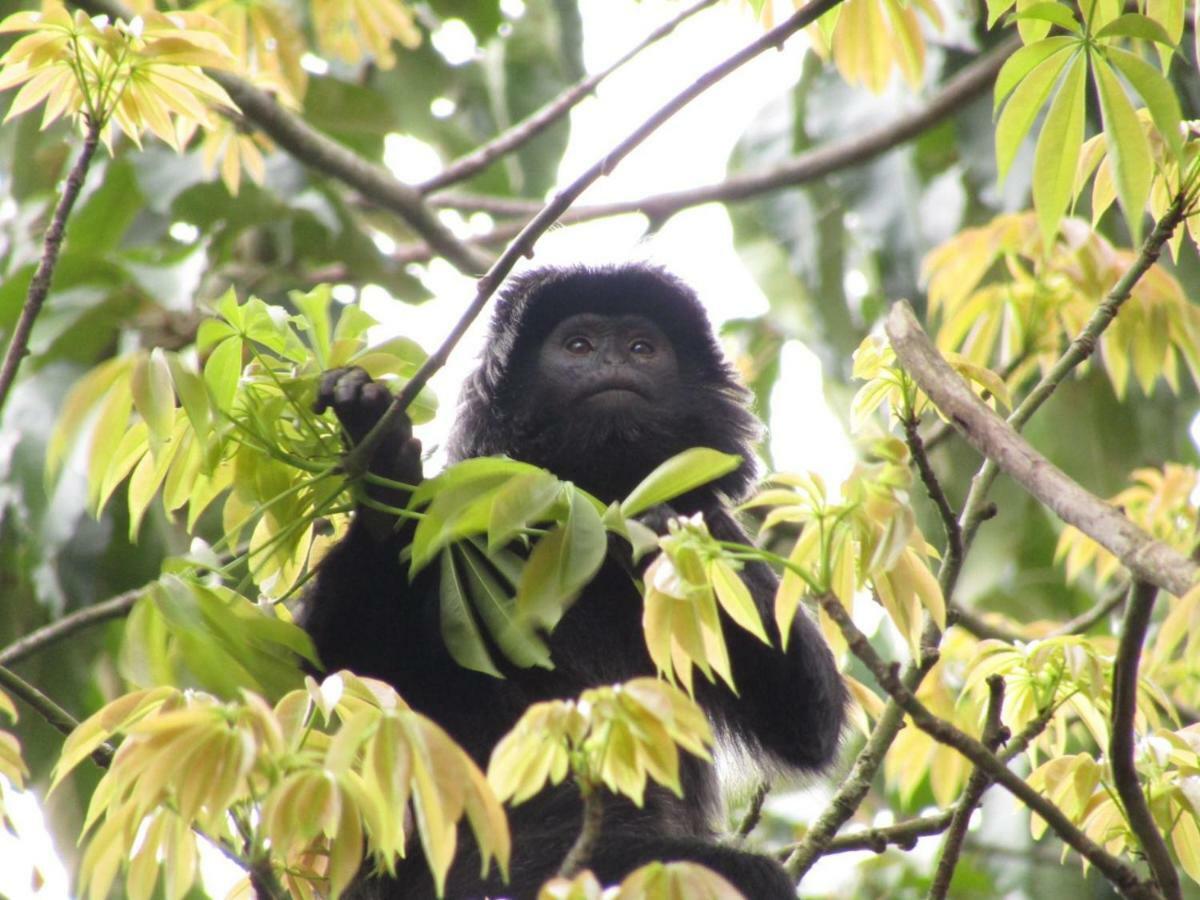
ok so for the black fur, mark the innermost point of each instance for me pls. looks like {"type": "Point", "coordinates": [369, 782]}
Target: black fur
{"type": "Point", "coordinates": [364, 615]}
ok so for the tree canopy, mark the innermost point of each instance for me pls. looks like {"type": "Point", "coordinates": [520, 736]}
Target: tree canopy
{"type": "Point", "coordinates": [983, 220]}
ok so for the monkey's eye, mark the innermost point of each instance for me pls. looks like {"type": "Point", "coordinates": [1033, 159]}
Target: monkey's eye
{"type": "Point", "coordinates": [641, 347]}
{"type": "Point", "coordinates": [578, 345]}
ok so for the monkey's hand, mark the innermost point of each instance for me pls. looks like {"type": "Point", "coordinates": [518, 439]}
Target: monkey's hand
{"type": "Point", "coordinates": [359, 403]}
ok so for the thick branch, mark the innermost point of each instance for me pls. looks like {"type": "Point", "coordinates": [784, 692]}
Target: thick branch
{"type": "Point", "coordinates": [1148, 559]}
{"type": "Point", "coordinates": [807, 167]}
{"type": "Point", "coordinates": [523, 244]}
{"type": "Point", "coordinates": [1119, 873]}
{"type": "Point", "coordinates": [1121, 743]}
{"type": "Point", "coordinates": [39, 286]}
{"type": "Point", "coordinates": [527, 129]}
{"type": "Point", "coordinates": [114, 608]}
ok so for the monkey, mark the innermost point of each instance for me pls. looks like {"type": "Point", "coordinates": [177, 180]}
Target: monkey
{"type": "Point", "coordinates": [598, 374]}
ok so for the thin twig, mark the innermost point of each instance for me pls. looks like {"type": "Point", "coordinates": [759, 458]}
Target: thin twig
{"type": "Point", "coordinates": [580, 853]}
{"type": "Point", "coordinates": [754, 810]}
{"type": "Point", "coordinates": [58, 718]}
{"type": "Point", "coordinates": [1148, 559]}
{"type": "Point", "coordinates": [807, 167]}
{"type": "Point", "coordinates": [1121, 741]}
{"type": "Point", "coordinates": [522, 245]}
{"type": "Point", "coordinates": [114, 608]}
{"type": "Point", "coordinates": [855, 786]}
{"type": "Point", "coordinates": [1119, 873]}
{"type": "Point", "coordinates": [994, 734]}
{"type": "Point", "coordinates": [905, 834]}
{"type": "Point", "coordinates": [933, 487]}
{"type": "Point", "coordinates": [39, 286]}
{"type": "Point", "coordinates": [530, 127]}
{"type": "Point", "coordinates": [1085, 620]}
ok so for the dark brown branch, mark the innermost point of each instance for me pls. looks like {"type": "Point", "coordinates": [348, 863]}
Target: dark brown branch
{"type": "Point", "coordinates": [979, 781]}
{"type": "Point", "coordinates": [527, 129]}
{"type": "Point", "coordinates": [1121, 742]}
{"type": "Point", "coordinates": [523, 244]}
{"type": "Point", "coordinates": [1119, 873]}
{"type": "Point", "coordinates": [114, 608]}
{"type": "Point", "coordinates": [1148, 559]}
{"type": "Point", "coordinates": [39, 285]}
{"type": "Point", "coordinates": [933, 487]}
{"type": "Point", "coordinates": [807, 167]}
{"type": "Point", "coordinates": [905, 834]}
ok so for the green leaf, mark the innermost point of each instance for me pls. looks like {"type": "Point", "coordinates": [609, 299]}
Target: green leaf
{"type": "Point", "coordinates": [460, 503]}
{"type": "Point", "coordinates": [1021, 63]}
{"type": "Point", "coordinates": [1054, 13]}
{"type": "Point", "coordinates": [314, 306]}
{"type": "Point", "coordinates": [519, 504]}
{"type": "Point", "coordinates": [222, 372]}
{"type": "Point", "coordinates": [1057, 152]}
{"type": "Point", "coordinates": [562, 562]}
{"type": "Point", "coordinates": [735, 598]}
{"type": "Point", "coordinates": [460, 631]}
{"type": "Point", "coordinates": [1023, 107]}
{"type": "Point", "coordinates": [1160, 98]}
{"type": "Point", "coordinates": [86, 394]}
{"type": "Point", "coordinates": [153, 397]}
{"type": "Point", "coordinates": [1128, 149]}
{"type": "Point", "coordinates": [1133, 25]}
{"type": "Point", "coordinates": [678, 475]}
{"type": "Point", "coordinates": [497, 608]}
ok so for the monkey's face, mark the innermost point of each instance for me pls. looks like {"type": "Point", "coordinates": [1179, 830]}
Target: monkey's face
{"type": "Point", "coordinates": [600, 401]}
{"type": "Point", "coordinates": [597, 365]}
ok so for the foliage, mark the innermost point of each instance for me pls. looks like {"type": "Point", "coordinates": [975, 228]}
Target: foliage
{"type": "Point", "coordinates": [310, 785]}
{"type": "Point", "coordinates": [164, 385]}
{"type": "Point", "coordinates": [616, 736]}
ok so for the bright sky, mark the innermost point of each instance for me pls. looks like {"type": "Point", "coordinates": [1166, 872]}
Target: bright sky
{"type": "Point", "coordinates": [689, 150]}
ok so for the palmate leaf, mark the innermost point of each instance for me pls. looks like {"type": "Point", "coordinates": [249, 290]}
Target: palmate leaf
{"type": "Point", "coordinates": [1025, 103]}
{"type": "Point", "coordinates": [1057, 153]}
{"type": "Point", "coordinates": [1128, 149]}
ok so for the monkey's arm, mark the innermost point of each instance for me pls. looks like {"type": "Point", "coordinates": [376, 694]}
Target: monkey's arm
{"type": "Point", "coordinates": [791, 704]}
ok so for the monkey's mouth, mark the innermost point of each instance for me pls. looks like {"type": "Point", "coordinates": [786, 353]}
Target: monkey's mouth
{"type": "Point", "coordinates": [617, 389]}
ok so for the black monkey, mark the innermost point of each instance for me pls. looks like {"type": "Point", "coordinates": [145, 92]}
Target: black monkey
{"type": "Point", "coordinates": [599, 375]}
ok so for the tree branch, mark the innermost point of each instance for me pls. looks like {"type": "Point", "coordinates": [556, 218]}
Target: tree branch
{"type": "Point", "coordinates": [802, 169]}
{"type": "Point", "coordinates": [522, 245]}
{"type": "Point", "coordinates": [979, 781]}
{"type": "Point", "coordinates": [1119, 873]}
{"type": "Point", "coordinates": [113, 608]}
{"type": "Point", "coordinates": [39, 285]}
{"type": "Point", "coordinates": [954, 544]}
{"type": "Point", "coordinates": [1148, 559]}
{"type": "Point", "coordinates": [530, 127]}
{"type": "Point", "coordinates": [58, 718]}
{"type": "Point", "coordinates": [1121, 742]}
